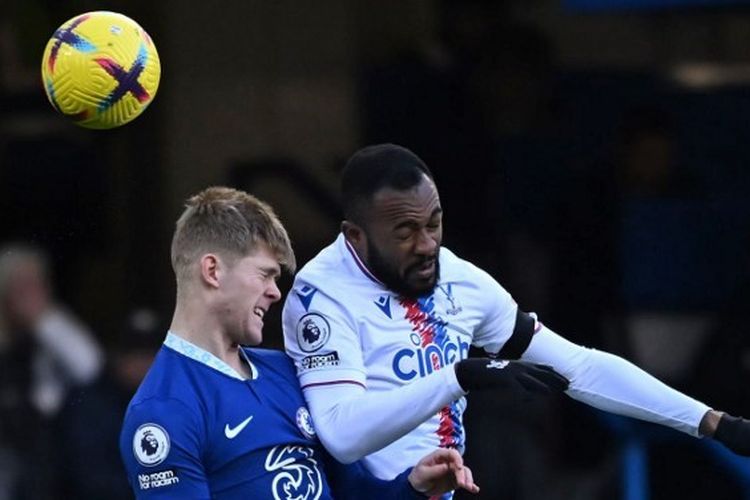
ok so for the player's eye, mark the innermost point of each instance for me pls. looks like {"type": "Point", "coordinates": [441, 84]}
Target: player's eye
{"type": "Point", "coordinates": [270, 275]}
{"type": "Point", "coordinates": [403, 233]}
{"type": "Point", "coordinates": [265, 275]}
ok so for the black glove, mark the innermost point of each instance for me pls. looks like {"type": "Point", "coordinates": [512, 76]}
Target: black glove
{"type": "Point", "coordinates": [734, 433]}
{"type": "Point", "coordinates": [486, 373]}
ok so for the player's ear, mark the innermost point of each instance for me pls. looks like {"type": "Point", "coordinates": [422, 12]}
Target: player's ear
{"type": "Point", "coordinates": [357, 237]}
{"type": "Point", "coordinates": [353, 233]}
{"type": "Point", "coordinates": [210, 270]}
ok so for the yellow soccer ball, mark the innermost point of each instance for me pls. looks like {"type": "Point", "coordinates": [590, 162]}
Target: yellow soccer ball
{"type": "Point", "coordinates": [100, 69]}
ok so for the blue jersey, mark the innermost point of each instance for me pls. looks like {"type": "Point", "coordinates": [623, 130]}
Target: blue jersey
{"type": "Point", "coordinates": [196, 429]}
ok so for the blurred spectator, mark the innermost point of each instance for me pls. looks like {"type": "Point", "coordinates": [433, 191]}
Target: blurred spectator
{"type": "Point", "coordinates": [44, 352]}
{"type": "Point", "coordinates": [64, 350]}
{"type": "Point", "coordinates": [90, 467]}
{"type": "Point", "coordinates": [616, 216]}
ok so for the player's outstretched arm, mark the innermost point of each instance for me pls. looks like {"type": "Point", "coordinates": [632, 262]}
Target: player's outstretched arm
{"type": "Point", "coordinates": [439, 472]}
{"type": "Point", "coordinates": [613, 384]}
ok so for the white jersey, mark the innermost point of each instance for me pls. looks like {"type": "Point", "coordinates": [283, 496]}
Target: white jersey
{"type": "Point", "coordinates": [373, 365]}
{"type": "Point", "coordinates": [342, 326]}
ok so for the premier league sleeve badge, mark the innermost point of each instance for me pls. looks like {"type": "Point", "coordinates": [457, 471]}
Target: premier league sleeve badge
{"type": "Point", "coordinates": [313, 331]}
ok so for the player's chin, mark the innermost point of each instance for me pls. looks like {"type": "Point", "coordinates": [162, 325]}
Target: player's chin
{"type": "Point", "coordinates": [253, 339]}
{"type": "Point", "coordinates": [253, 335]}
{"type": "Point", "coordinates": [421, 284]}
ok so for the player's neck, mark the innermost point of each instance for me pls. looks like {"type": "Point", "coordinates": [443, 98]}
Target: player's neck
{"type": "Point", "coordinates": [205, 332]}
{"type": "Point", "coordinates": [217, 345]}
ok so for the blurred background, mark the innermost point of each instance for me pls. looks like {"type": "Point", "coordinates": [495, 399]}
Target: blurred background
{"type": "Point", "coordinates": [591, 154]}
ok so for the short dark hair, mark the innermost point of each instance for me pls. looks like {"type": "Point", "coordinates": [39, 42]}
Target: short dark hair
{"type": "Point", "coordinates": [377, 167]}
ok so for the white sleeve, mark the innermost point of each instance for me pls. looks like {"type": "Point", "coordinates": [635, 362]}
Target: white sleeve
{"type": "Point", "coordinates": [610, 383]}
{"type": "Point", "coordinates": [71, 344]}
{"type": "Point", "coordinates": [352, 422]}
{"type": "Point", "coordinates": [321, 338]}
{"type": "Point", "coordinates": [498, 312]}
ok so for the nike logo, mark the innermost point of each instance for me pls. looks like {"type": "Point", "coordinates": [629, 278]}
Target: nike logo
{"type": "Point", "coordinates": [231, 432]}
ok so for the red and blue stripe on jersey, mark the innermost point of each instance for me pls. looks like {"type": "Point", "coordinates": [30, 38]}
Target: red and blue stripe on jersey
{"type": "Point", "coordinates": [433, 330]}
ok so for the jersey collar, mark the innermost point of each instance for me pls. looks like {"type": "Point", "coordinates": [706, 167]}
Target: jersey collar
{"type": "Point", "coordinates": [192, 351]}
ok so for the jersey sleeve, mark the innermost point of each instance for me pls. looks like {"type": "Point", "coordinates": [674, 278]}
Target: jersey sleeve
{"type": "Point", "coordinates": [160, 446]}
{"type": "Point", "coordinates": [612, 384]}
{"type": "Point", "coordinates": [321, 338]}
{"type": "Point", "coordinates": [498, 312]}
{"type": "Point", "coordinates": [352, 422]}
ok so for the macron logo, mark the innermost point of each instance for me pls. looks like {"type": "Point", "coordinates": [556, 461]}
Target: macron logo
{"type": "Point", "coordinates": [384, 304]}
{"type": "Point", "coordinates": [231, 432]}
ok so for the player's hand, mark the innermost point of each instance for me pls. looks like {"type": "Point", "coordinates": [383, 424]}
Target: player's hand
{"type": "Point", "coordinates": [734, 433]}
{"type": "Point", "coordinates": [486, 373]}
{"type": "Point", "coordinates": [442, 471]}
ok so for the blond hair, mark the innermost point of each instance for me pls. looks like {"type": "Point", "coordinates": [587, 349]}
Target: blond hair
{"type": "Point", "coordinates": [230, 222]}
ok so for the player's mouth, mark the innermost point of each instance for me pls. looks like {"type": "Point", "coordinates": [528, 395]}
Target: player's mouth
{"type": "Point", "coordinates": [259, 312]}
{"type": "Point", "coordinates": [425, 270]}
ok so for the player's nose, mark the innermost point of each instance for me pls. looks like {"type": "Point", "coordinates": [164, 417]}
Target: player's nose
{"type": "Point", "coordinates": [273, 291]}
{"type": "Point", "coordinates": [426, 244]}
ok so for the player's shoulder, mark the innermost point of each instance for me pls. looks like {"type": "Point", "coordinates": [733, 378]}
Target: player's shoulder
{"type": "Point", "coordinates": [273, 361]}
{"type": "Point", "coordinates": [163, 414]}
{"type": "Point", "coordinates": [336, 293]}
{"type": "Point", "coordinates": [329, 261]}
{"type": "Point", "coordinates": [161, 408]}
{"type": "Point", "coordinates": [166, 403]}
{"type": "Point", "coordinates": [153, 424]}
{"type": "Point", "coordinates": [454, 268]}
{"type": "Point", "coordinates": [270, 357]}
{"type": "Point", "coordinates": [337, 265]}
{"type": "Point", "coordinates": [167, 379]}
{"type": "Point", "coordinates": [467, 276]}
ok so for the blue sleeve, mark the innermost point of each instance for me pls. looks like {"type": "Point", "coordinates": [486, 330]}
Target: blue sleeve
{"type": "Point", "coordinates": [354, 481]}
{"type": "Point", "coordinates": [161, 444]}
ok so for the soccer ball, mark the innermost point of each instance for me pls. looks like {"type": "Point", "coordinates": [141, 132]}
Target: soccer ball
{"type": "Point", "coordinates": [101, 69]}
